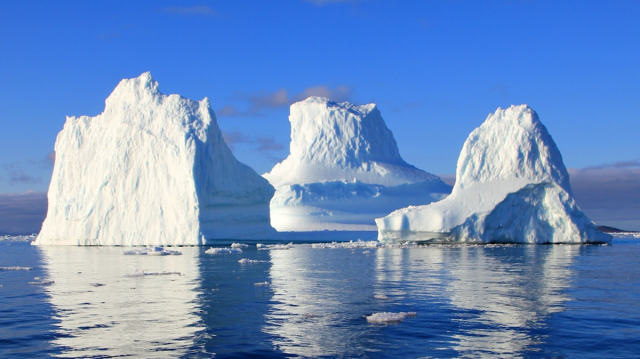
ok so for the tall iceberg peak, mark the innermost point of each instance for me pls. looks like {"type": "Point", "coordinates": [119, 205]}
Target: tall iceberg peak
{"type": "Point", "coordinates": [511, 186]}
{"type": "Point", "coordinates": [511, 144]}
{"type": "Point", "coordinates": [342, 134]}
{"type": "Point", "coordinates": [342, 141]}
{"type": "Point", "coordinates": [344, 170]}
{"type": "Point", "coordinates": [152, 169]}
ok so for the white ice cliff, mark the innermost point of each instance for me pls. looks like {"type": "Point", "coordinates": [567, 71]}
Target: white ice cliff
{"type": "Point", "coordinates": [344, 170]}
{"type": "Point", "coordinates": [151, 169]}
{"type": "Point", "coordinates": [511, 186]}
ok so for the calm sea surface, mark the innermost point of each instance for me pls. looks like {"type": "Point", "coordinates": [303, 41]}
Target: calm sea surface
{"type": "Point", "coordinates": [503, 301]}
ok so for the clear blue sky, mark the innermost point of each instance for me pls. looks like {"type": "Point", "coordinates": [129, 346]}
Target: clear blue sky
{"type": "Point", "coordinates": [435, 69]}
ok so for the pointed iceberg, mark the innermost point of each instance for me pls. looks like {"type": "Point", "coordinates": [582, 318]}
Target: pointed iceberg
{"type": "Point", "coordinates": [151, 169]}
{"type": "Point", "coordinates": [511, 186]}
{"type": "Point", "coordinates": [344, 170]}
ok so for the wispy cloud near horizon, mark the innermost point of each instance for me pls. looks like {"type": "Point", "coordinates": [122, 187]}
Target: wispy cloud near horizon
{"type": "Point", "coordinates": [22, 213]}
{"type": "Point", "coordinates": [263, 143]}
{"type": "Point", "coordinates": [260, 102]}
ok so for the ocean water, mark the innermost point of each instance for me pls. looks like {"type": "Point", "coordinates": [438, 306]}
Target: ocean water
{"type": "Point", "coordinates": [502, 301]}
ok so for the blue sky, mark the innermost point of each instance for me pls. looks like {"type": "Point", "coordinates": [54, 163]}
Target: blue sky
{"type": "Point", "coordinates": [435, 69]}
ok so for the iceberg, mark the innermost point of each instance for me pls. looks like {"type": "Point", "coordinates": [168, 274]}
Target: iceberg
{"type": "Point", "coordinates": [152, 169]}
{"type": "Point", "coordinates": [511, 186]}
{"type": "Point", "coordinates": [343, 171]}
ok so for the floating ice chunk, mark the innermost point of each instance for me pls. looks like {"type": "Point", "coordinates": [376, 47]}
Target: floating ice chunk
{"type": "Point", "coordinates": [265, 247]}
{"type": "Point", "coordinates": [214, 250]}
{"type": "Point", "coordinates": [262, 284]}
{"type": "Point", "coordinates": [28, 238]}
{"type": "Point", "coordinates": [16, 268]}
{"type": "Point", "coordinates": [41, 281]}
{"type": "Point", "coordinates": [152, 251]}
{"type": "Point", "coordinates": [247, 261]}
{"type": "Point", "coordinates": [381, 297]}
{"type": "Point", "coordinates": [142, 273]}
{"type": "Point", "coordinates": [349, 245]}
{"type": "Point", "coordinates": [239, 245]}
{"type": "Point", "coordinates": [388, 317]}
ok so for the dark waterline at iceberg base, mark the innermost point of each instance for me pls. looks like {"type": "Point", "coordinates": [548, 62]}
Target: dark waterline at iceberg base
{"type": "Point", "coordinates": [561, 301]}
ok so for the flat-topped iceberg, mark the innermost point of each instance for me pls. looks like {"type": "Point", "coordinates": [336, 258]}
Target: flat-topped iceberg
{"type": "Point", "coordinates": [511, 186]}
{"type": "Point", "coordinates": [344, 170]}
{"type": "Point", "coordinates": [151, 169]}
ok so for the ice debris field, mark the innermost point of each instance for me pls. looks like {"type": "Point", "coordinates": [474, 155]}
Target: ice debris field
{"type": "Point", "coordinates": [154, 170]}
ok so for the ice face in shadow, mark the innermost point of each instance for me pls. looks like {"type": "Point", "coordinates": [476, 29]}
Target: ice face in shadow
{"type": "Point", "coordinates": [344, 170]}
{"type": "Point", "coordinates": [511, 186]}
{"type": "Point", "coordinates": [108, 303]}
{"type": "Point", "coordinates": [151, 169]}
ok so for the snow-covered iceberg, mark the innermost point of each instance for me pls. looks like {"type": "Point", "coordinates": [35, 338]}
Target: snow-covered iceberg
{"type": "Point", "coordinates": [511, 186]}
{"type": "Point", "coordinates": [344, 170]}
{"type": "Point", "coordinates": [151, 169]}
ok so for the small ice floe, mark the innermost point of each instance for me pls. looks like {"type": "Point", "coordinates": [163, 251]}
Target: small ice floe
{"type": "Point", "coordinates": [97, 284]}
{"type": "Point", "coordinates": [381, 297]}
{"type": "Point", "coordinates": [41, 281]}
{"type": "Point", "coordinates": [152, 251]}
{"type": "Point", "coordinates": [16, 268]}
{"type": "Point", "coordinates": [141, 273]}
{"type": "Point", "coordinates": [262, 284]}
{"type": "Point", "coordinates": [388, 317]}
{"type": "Point", "coordinates": [28, 238]}
{"type": "Point", "coordinates": [349, 245]}
{"type": "Point", "coordinates": [214, 250]}
{"type": "Point", "coordinates": [272, 247]}
{"type": "Point", "coordinates": [366, 252]}
{"type": "Point", "coordinates": [239, 245]}
{"type": "Point", "coordinates": [248, 261]}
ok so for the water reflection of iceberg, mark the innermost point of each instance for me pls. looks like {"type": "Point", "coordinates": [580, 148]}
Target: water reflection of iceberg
{"type": "Point", "coordinates": [319, 297]}
{"type": "Point", "coordinates": [106, 306]}
{"type": "Point", "coordinates": [505, 294]}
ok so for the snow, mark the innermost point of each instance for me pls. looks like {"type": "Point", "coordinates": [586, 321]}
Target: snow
{"type": "Point", "coordinates": [152, 169]}
{"type": "Point", "coordinates": [388, 317]}
{"type": "Point", "coordinates": [343, 171]}
{"type": "Point", "coordinates": [214, 250]}
{"type": "Point", "coordinates": [511, 186]}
